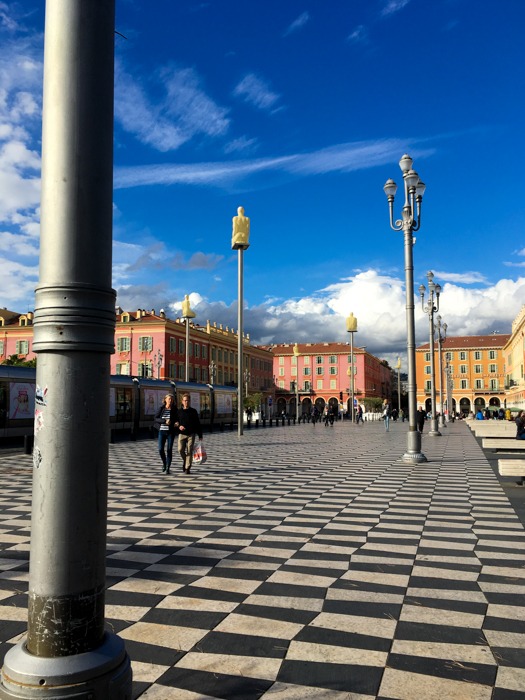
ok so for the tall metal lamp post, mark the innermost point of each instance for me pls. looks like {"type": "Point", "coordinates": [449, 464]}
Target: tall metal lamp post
{"type": "Point", "coordinates": [410, 222]}
{"type": "Point", "coordinates": [441, 337]}
{"type": "Point", "coordinates": [351, 327]}
{"type": "Point", "coordinates": [296, 355]}
{"type": "Point", "coordinates": [187, 314]}
{"type": "Point", "coordinates": [432, 305]}
{"type": "Point", "coordinates": [398, 367]}
{"type": "Point", "coordinates": [240, 242]}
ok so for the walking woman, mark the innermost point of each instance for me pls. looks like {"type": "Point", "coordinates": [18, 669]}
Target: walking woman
{"type": "Point", "coordinates": [167, 423]}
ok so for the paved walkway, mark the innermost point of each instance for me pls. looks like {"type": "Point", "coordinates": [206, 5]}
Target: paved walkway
{"type": "Point", "coordinates": [303, 563]}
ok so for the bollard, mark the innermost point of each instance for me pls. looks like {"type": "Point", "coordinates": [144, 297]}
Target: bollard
{"type": "Point", "coordinates": [256, 422]}
{"type": "Point", "coordinates": [271, 422]}
{"type": "Point", "coordinates": [221, 427]}
{"type": "Point", "coordinates": [264, 423]}
{"type": "Point", "coordinates": [248, 424]}
{"type": "Point", "coordinates": [28, 444]}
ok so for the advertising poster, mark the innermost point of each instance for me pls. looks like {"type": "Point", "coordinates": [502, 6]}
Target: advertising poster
{"type": "Point", "coordinates": [22, 400]}
{"type": "Point", "coordinates": [223, 403]}
{"type": "Point", "coordinates": [153, 399]}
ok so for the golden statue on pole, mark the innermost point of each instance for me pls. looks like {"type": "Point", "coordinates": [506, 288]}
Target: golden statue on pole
{"type": "Point", "coordinates": [241, 231]}
{"type": "Point", "coordinates": [186, 310]}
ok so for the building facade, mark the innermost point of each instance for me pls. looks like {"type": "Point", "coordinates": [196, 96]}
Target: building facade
{"type": "Point", "coordinates": [152, 345]}
{"type": "Point", "coordinates": [323, 372]}
{"type": "Point", "coordinates": [514, 353]}
{"type": "Point", "coordinates": [473, 373]}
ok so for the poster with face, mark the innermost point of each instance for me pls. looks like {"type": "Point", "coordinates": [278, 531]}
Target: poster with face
{"type": "Point", "coordinates": [22, 400]}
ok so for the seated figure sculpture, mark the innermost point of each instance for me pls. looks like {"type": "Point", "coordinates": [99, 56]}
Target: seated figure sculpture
{"type": "Point", "coordinates": [241, 230]}
{"type": "Point", "coordinates": [186, 310]}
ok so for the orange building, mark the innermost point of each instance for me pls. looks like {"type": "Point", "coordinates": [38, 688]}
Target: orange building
{"type": "Point", "coordinates": [514, 353]}
{"type": "Point", "coordinates": [476, 372]}
{"type": "Point", "coordinates": [323, 374]}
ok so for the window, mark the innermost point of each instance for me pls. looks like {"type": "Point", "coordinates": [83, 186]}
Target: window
{"type": "Point", "coordinates": [122, 367]}
{"type": "Point", "coordinates": [463, 369]}
{"type": "Point", "coordinates": [145, 369]}
{"type": "Point", "coordinates": [191, 348]}
{"type": "Point", "coordinates": [477, 355]}
{"type": "Point", "coordinates": [204, 374]}
{"type": "Point", "coordinates": [173, 344]}
{"type": "Point", "coordinates": [333, 383]}
{"type": "Point", "coordinates": [294, 360]}
{"type": "Point", "coordinates": [294, 371]}
{"type": "Point", "coordinates": [197, 350]}
{"type": "Point", "coordinates": [319, 383]}
{"type": "Point", "coordinates": [214, 354]}
{"type": "Point", "coordinates": [451, 368]}
{"type": "Point", "coordinates": [477, 369]}
{"type": "Point", "coordinates": [319, 370]}
{"type": "Point", "coordinates": [281, 360]}
{"type": "Point", "coordinates": [319, 359]}
{"type": "Point", "coordinates": [233, 358]}
{"type": "Point", "coordinates": [428, 385]}
{"type": "Point", "coordinates": [281, 371]}
{"type": "Point", "coordinates": [492, 368]}
{"type": "Point", "coordinates": [333, 370]}
{"type": "Point", "coordinates": [449, 356]}
{"type": "Point", "coordinates": [145, 345]}
{"type": "Point", "coordinates": [332, 359]}
{"type": "Point", "coordinates": [479, 383]}
{"type": "Point", "coordinates": [173, 370]}
{"type": "Point", "coordinates": [22, 347]}
{"type": "Point", "coordinates": [219, 374]}
{"type": "Point", "coordinates": [306, 359]}
{"type": "Point", "coordinates": [196, 373]}
{"type": "Point", "coordinates": [281, 384]}
{"type": "Point", "coordinates": [306, 371]}
{"type": "Point", "coordinates": [427, 369]}
{"type": "Point", "coordinates": [180, 344]}
{"type": "Point", "coordinates": [2, 347]}
{"type": "Point", "coordinates": [123, 344]}
{"type": "Point", "coordinates": [462, 355]}
{"type": "Point", "coordinates": [494, 384]}
{"type": "Point", "coordinates": [219, 355]}
{"type": "Point", "coordinates": [493, 354]}
{"type": "Point", "coordinates": [463, 384]}
{"type": "Point", "coordinates": [182, 372]}
{"type": "Point", "coordinates": [204, 352]}
{"type": "Point", "coordinates": [427, 357]}
{"type": "Point", "coordinates": [307, 386]}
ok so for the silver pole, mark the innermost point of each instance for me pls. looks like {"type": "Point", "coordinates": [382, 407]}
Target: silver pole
{"type": "Point", "coordinates": [440, 361]}
{"type": "Point", "coordinates": [240, 409]}
{"type": "Point", "coordinates": [399, 390]}
{"type": "Point", "coordinates": [67, 653]}
{"type": "Point", "coordinates": [434, 432]}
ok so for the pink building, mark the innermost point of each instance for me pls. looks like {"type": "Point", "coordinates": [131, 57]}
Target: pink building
{"type": "Point", "coordinates": [323, 372]}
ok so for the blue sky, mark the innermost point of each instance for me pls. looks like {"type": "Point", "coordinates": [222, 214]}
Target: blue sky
{"type": "Point", "coordinates": [299, 111]}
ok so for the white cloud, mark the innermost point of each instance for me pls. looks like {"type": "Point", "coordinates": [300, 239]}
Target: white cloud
{"type": "Point", "coordinates": [256, 92]}
{"type": "Point", "coordinates": [393, 6]}
{"type": "Point", "coordinates": [359, 35]}
{"type": "Point", "coordinates": [184, 112]}
{"type": "Point", "coordinates": [461, 277]}
{"type": "Point", "coordinates": [297, 23]}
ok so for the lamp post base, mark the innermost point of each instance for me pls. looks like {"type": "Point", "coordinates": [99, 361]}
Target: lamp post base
{"type": "Point", "coordinates": [103, 673]}
{"type": "Point", "coordinates": [434, 432]}
{"type": "Point", "coordinates": [413, 453]}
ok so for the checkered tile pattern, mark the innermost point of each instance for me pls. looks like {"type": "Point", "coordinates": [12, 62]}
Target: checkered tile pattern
{"type": "Point", "coordinates": [303, 562]}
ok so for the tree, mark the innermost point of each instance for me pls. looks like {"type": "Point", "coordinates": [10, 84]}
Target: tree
{"type": "Point", "coordinates": [253, 401]}
{"type": "Point", "coordinates": [15, 361]}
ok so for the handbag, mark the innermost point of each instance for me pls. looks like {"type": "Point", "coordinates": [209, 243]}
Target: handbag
{"type": "Point", "coordinates": [199, 453]}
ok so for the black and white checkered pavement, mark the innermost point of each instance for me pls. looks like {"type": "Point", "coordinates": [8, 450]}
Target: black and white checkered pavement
{"type": "Point", "coordinates": [302, 563]}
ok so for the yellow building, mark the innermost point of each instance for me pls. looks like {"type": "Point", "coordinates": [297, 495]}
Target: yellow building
{"type": "Point", "coordinates": [475, 366]}
{"type": "Point", "coordinates": [514, 353]}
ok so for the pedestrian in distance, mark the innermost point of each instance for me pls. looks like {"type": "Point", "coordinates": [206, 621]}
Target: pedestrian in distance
{"type": "Point", "coordinates": [420, 419]}
{"type": "Point", "coordinates": [359, 416]}
{"type": "Point", "coordinates": [520, 425]}
{"type": "Point", "coordinates": [189, 428]}
{"type": "Point", "coordinates": [386, 414]}
{"type": "Point", "coordinates": [166, 422]}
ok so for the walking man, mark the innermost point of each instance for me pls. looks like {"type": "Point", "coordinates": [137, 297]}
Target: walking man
{"type": "Point", "coordinates": [189, 427]}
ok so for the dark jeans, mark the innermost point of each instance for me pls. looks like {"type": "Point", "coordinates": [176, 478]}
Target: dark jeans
{"type": "Point", "coordinates": [166, 440]}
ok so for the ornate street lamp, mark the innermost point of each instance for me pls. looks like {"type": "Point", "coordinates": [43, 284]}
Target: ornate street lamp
{"type": "Point", "coordinates": [187, 314]}
{"type": "Point", "coordinates": [213, 369]}
{"type": "Point", "coordinates": [296, 354]}
{"type": "Point", "coordinates": [240, 242]}
{"type": "Point", "coordinates": [441, 337]}
{"type": "Point", "coordinates": [157, 360]}
{"type": "Point", "coordinates": [351, 327]}
{"type": "Point", "coordinates": [410, 222]}
{"type": "Point", "coordinates": [432, 305]}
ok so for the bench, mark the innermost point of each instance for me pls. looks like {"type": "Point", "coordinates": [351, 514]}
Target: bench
{"type": "Point", "coordinates": [512, 467]}
{"type": "Point", "coordinates": [504, 443]}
